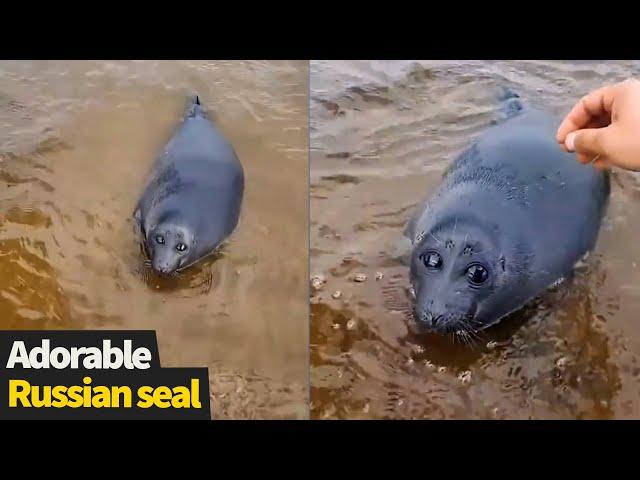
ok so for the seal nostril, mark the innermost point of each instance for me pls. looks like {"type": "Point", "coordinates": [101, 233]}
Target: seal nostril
{"type": "Point", "coordinates": [163, 269]}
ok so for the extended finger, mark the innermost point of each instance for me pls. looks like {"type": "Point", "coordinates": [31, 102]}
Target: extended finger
{"type": "Point", "coordinates": [591, 107]}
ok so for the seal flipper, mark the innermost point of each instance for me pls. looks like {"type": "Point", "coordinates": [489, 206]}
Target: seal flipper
{"type": "Point", "coordinates": [511, 105]}
{"type": "Point", "coordinates": [195, 108]}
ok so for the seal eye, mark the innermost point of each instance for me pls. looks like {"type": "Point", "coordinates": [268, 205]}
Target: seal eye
{"type": "Point", "coordinates": [477, 274]}
{"type": "Point", "coordinates": [160, 239]}
{"type": "Point", "coordinates": [431, 260]}
{"type": "Point", "coordinates": [181, 247]}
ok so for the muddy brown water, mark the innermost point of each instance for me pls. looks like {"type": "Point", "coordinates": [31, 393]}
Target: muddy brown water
{"type": "Point", "coordinates": [381, 135]}
{"type": "Point", "coordinates": [77, 140]}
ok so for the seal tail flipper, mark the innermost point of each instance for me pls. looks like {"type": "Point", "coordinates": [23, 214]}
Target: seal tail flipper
{"type": "Point", "coordinates": [195, 108]}
{"type": "Point", "coordinates": [511, 104]}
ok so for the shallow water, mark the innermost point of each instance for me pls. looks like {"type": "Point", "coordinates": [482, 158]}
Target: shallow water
{"type": "Point", "coordinates": [77, 140]}
{"type": "Point", "coordinates": [381, 135]}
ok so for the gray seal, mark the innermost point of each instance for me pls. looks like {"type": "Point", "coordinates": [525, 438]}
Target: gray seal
{"type": "Point", "coordinates": [511, 217]}
{"type": "Point", "coordinates": [192, 200]}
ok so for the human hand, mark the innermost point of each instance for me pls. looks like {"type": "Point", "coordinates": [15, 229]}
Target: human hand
{"type": "Point", "coordinates": [604, 127]}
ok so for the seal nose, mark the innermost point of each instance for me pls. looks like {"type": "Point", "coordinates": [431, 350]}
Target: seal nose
{"type": "Point", "coordinates": [163, 269]}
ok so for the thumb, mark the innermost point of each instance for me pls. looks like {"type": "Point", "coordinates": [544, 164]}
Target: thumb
{"type": "Point", "coordinates": [588, 141]}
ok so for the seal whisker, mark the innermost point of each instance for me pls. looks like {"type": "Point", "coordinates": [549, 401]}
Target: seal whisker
{"type": "Point", "coordinates": [470, 340]}
{"type": "Point", "coordinates": [473, 336]}
{"type": "Point", "coordinates": [460, 334]}
{"type": "Point", "coordinates": [469, 332]}
{"type": "Point", "coordinates": [464, 334]}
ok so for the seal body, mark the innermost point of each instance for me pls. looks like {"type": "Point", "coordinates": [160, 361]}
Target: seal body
{"type": "Point", "coordinates": [192, 201]}
{"type": "Point", "coordinates": [512, 216]}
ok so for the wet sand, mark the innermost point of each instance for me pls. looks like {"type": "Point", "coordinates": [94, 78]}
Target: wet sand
{"type": "Point", "coordinates": [381, 135]}
{"type": "Point", "coordinates": [77, 140]}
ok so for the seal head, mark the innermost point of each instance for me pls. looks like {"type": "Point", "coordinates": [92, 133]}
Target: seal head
{"type": "Point", "coordinates": [464, 277]}
{"type": "Point", "coordinates": [170, 246]}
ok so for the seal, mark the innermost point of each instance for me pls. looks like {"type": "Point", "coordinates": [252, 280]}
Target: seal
{"type": "Point", "coordinates": [511, 217]}
{"type": "Point", "coordinates": [193, 198]}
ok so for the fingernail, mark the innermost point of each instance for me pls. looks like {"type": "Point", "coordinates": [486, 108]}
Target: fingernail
{"type": "Point", "coordinates": [570, 142]}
